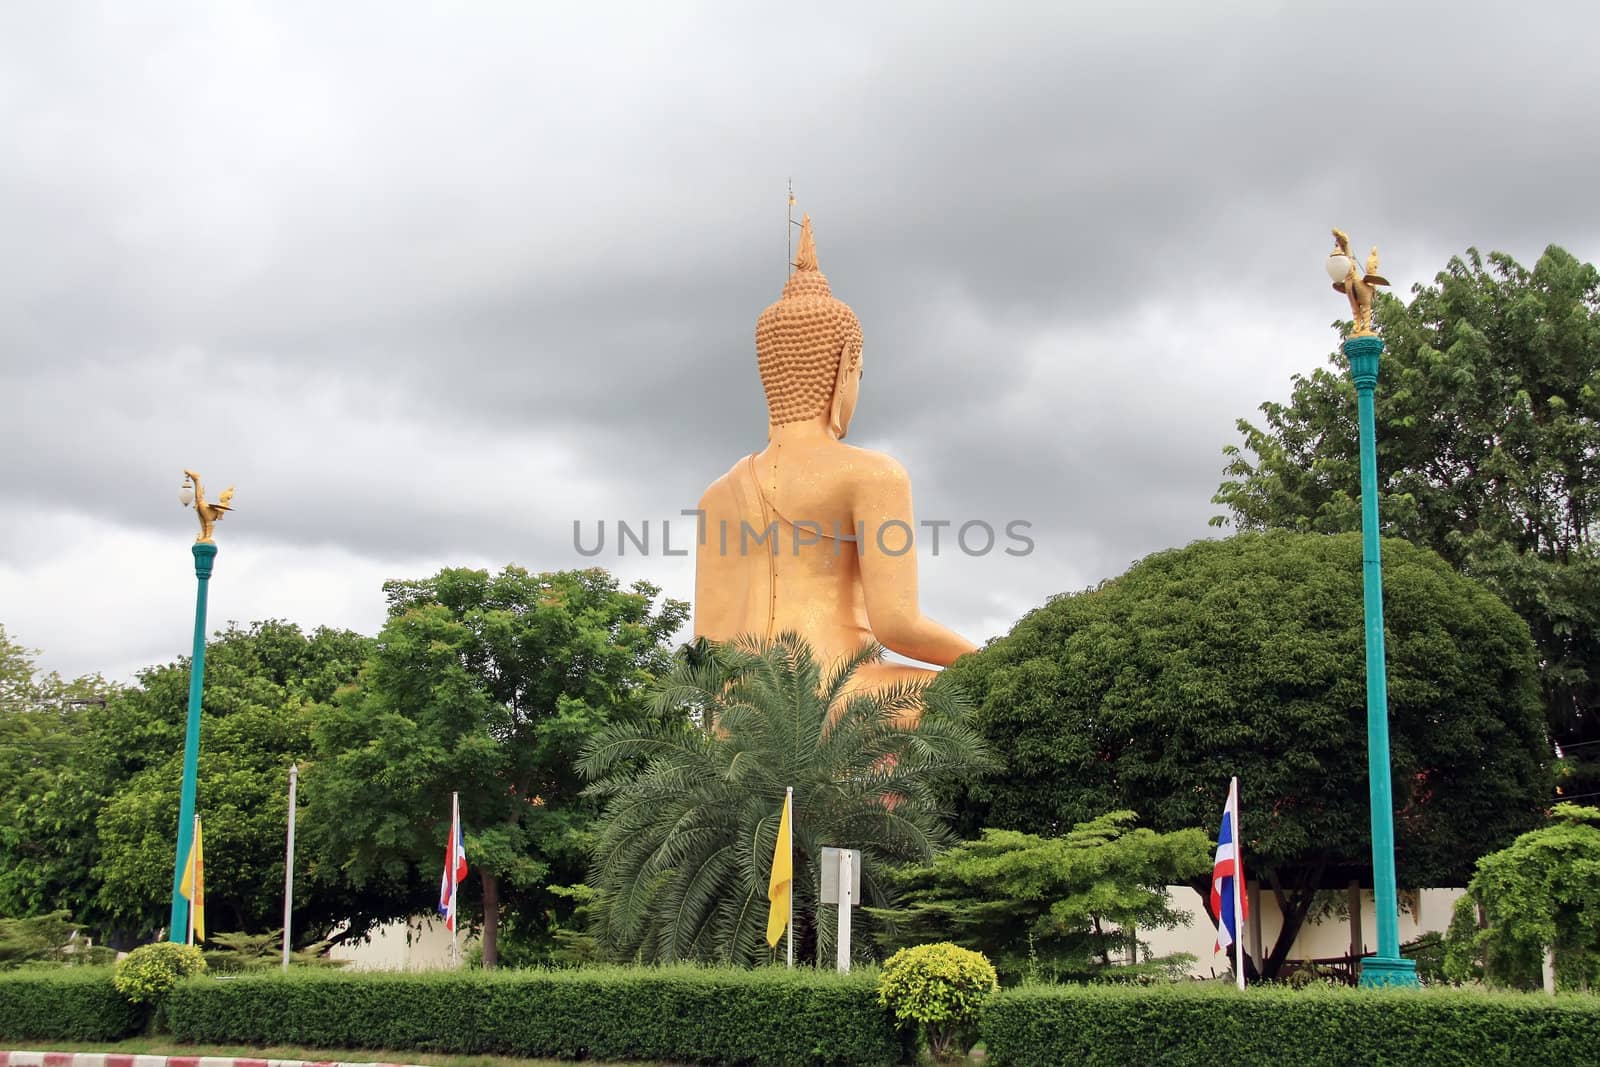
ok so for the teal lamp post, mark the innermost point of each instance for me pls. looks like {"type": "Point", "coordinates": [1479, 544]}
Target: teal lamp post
{"type": "Point", "coordinates": [1362, 348]}
{"type": "Point", "coordinates": [192, 494]}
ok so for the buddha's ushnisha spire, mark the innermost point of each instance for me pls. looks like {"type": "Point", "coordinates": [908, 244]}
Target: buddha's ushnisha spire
{"type": "Point", "coordinates": [801, 339]}
{"type": "Point", "coordinates": [807, 279]}
{"type": "Point", "coordinates": [806, 259]}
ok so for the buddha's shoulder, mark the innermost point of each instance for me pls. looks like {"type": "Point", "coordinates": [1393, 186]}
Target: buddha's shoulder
{"type": "Point", "coordinates": [845, 462]}
{"type": "Point", "coordinates": [723, 485]}
{"type": "Point", "coordinates": [868, 465]}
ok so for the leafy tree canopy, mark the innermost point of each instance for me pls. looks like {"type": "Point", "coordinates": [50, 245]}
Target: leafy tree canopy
{"type": "Point", "coordinates": [24, 688]}
{"type": "Point", "coordinates": [238, 953]}
{"type": "Point", "coordinates": [683, 854]}
{"type": "Point", "coordinates": [1057, 907]}
{"type": "Point", "coordinates": [52, 938]}
{"type": "Point", "coordinates": [1245, 657]}
{"type": "Point", "coordinates": [265, 686]}
{"type": "Point", "coordinates": [486, 685]}
{"type": "Point", "coordinates": [1541, 892]}
{"type": "Point", "coordinates": [1488, 441]}
{"type": "Point", "coordinates": [49, 790]}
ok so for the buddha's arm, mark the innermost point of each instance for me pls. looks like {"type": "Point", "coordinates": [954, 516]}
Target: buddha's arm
{"type": "Point", "coordinates": [713, 591]}
{"type": "Point", "coordinates": [889, 580]}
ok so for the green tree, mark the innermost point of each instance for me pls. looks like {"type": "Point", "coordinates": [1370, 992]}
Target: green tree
{"type": "Point", "coordinates": [1061, 906]}
{"type": "Point", "coordinates": [24, 688]}
{"type": "Point", "coordinates": [941, 989]}
{"type": "Point", "coordinates": [1245, 657]}
{"type": "Point", "coordinates": [684, 851]}
{"type": "Point", "coordinates": [265, 687]}
{"type": "Point", "coordinates": [50, 788]}
{"type": "Point", "coordinates": [52, 938]}
{"type": "Point", "coordinates": [1488, 438]}
{"type": "Point", "coordinates": [1541, 892]}
{"type": "Point", "coordinates": [238, 953]}
{"type": "Point", "coordinates": [486, 685]}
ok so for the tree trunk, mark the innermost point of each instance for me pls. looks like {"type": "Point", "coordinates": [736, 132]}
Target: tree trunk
{"type": "Point", "coordinates": [1358, 940]}
{"type": "Point", "coordinates": [491, 920]}
{"type": "Point", "coordinates": [1202, 886]}
{"type": "Point", "coordinates": [1294, 906]}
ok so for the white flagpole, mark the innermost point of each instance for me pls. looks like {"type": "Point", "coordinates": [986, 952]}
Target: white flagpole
{"type": "Point", "coordinates": [455, 886]}
{"type": "Point", "coordinates": [1238, 885]}
{"type": "Point", "coordinates": [194, 875]}
{"type": "Point", "coordinates": [788, 799]}
{"type": "Point", "coordinates": [846, 881]}
{"type": "Point", "coordinates": [288, 866]}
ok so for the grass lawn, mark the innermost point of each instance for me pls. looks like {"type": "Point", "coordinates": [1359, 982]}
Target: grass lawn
{"type": "Point", "coordinates": [159, 1046]}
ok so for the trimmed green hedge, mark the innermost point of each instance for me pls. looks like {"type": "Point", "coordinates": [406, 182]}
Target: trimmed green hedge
{"type": "Point", "coordinates": [65, 1004]}
{"type": "Point", "coordinates": [779, 1017]}
{"type": "Point", "coordinates": [704, 1015]}
{"type": "Point", "coordinates": [1193, 1024]}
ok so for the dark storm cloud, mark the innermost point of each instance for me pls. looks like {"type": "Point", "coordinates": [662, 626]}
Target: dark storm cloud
{"type": "Point", "coordinates": [433, 283]}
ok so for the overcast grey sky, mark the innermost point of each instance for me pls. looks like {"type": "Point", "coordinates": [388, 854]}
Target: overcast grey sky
{"type": "Point", "coordinates": [429, 282]}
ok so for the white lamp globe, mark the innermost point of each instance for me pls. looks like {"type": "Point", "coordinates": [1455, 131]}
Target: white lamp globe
{"type": "Point", "coordinates": [186, 494]}
{"type": "Point", "coordinates": [1339, 266]}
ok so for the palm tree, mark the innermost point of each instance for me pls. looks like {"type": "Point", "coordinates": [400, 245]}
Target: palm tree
{"type": "Point", "coordinates": [684, 848]}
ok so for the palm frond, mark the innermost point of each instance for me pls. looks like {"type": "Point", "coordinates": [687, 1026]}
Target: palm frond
{"type": "Point", "coordinates": [684, 846]}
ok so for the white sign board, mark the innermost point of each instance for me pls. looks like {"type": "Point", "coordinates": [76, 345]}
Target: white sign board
{"type": "Point", "coordinates": [830, 875]}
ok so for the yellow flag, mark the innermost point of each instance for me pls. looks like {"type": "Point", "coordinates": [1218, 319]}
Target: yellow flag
{"type": "Point", "coordinates": [193, 887]}
{"type": "Point", "coordinates": [780, 887]}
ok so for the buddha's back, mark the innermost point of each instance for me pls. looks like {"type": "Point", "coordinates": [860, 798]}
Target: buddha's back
{"type": "Point", "coordinates": [782, 549]}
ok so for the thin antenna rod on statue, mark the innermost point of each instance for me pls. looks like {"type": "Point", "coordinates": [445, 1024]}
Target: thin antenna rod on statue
{"type": "Point", "coordinates": [790, 233]}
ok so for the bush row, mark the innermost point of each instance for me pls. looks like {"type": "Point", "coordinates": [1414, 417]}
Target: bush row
{"type": "Point", "coordinates": [1183, 1025]}
{"type": "Point", "coordinates": [678, 1013]}
{"type": "Point", "coordinates": [802, 1017]}
{"type": "Point", "coordinates": [65, 1004]}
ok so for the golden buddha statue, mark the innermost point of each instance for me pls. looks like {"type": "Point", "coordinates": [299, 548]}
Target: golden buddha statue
{"type": "Point", "coordinates": [812, 535]}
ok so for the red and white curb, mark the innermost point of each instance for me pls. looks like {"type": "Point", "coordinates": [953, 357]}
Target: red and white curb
{"type": "Point", "coordinates": [115, 1059]}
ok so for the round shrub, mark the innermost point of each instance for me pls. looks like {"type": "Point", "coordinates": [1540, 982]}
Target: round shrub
{"type": "Point", "coordinates": [941, 988]}
{"type": "Point", "coordinates": [148, 973]}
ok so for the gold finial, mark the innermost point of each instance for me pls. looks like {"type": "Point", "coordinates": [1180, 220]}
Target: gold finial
{"type": "Point", "coordinates": [1356, 284]}
{"type": "Point", "coordinates": [210, 514]}
{"type": "Point", "coordinates": [806, 258]}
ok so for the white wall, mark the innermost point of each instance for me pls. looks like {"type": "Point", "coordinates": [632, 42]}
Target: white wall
{"type": "Point", "coordinates": [424, 944]}
{"type": "Point", "coordinates": [1316, 940]}
{"type": "Point", "coordinates": [418, 945]}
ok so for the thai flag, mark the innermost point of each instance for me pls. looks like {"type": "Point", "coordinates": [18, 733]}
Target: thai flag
{"type": "Point", "coordinates": [1228, 901]}
{"type": "Point", "coordinates": [455, 866]}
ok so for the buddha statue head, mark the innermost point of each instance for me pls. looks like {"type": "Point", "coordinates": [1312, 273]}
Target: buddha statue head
{"type": "Point", "coordinates": [808, 348]}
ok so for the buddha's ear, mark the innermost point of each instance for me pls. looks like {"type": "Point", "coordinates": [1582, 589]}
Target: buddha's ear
{"type": "Point", "coordinates": [849, 360]}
